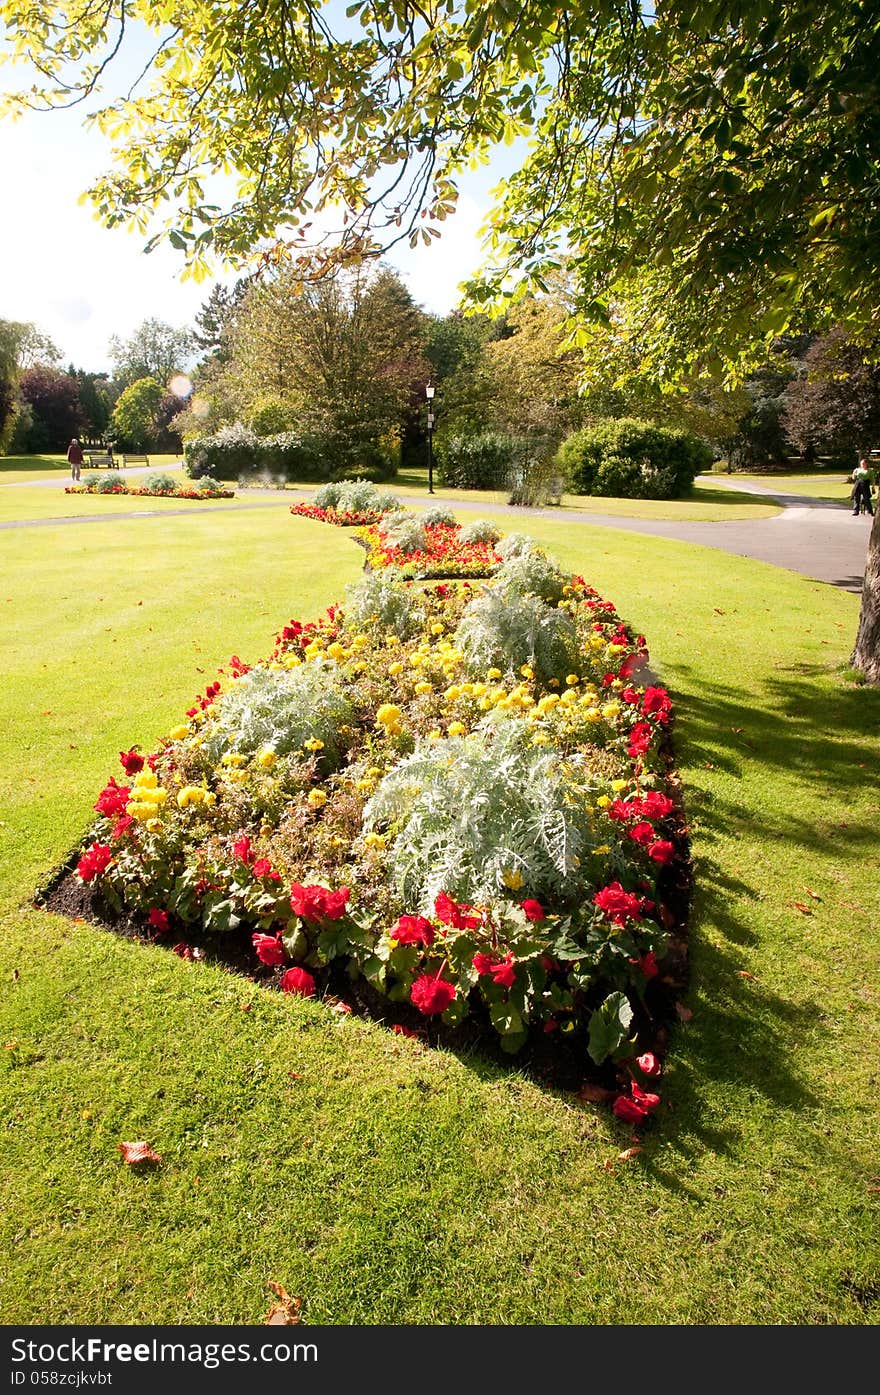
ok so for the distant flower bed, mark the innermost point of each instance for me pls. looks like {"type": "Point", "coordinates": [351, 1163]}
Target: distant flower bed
{"type": "Point", "coordinates": [420, 551]}
{"type": "Point", "coordinates": [175, 493]}
{"type": "Point", "coordinates": [347, 519]}
{"type": "Point", "coordinates": [456, 792]}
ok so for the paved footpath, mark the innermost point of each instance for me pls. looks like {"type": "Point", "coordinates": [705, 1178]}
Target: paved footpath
{"type": "Point", "coordinates": [814, 537]}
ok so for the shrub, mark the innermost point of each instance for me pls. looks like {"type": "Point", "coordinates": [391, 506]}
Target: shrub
{"type": "Point", "coordinates": [355, 496]}
{"type": "Point", "coordinates": [379, 599]}
{"type": "Point", "coordinates": [235, 452]}
{"type": "Point", "coordinates": [531, 574]}
{"type": "Point", "coordinates": [514, 545]}
{"type": "Point", "coordinates": [630, 458]}
{"type": "Point", "coordinates": [482, 461]}
{"type": "Point", "coordinates": [438, 516]}
{"type": "Point", "coordinates": [472, 810]}
{"type": "Point", "coordinates": [92, 479]}
{"type": "Point", "coordinates": [504, 630]}
{"type": "Point", "coordinates": [159, 484]}
{"type": "Point", "coordinates": [207, 485]}
{"type": "Point", "coordinates": [481, 530]}
{"type": "Point", "coordinates": [405, 532]}
{"type": "Point", "coordinates": [106, 484]}
{"type": "Point", "coordinates": [280, 709]}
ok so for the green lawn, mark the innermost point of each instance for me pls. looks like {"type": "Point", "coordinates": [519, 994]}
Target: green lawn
{"type": "Point", "coordinates": [379, 1180]}
{"type": "Point", "coordinates": [20, 469]}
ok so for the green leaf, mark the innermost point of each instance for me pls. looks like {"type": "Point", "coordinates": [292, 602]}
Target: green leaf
{"type": "Point", "coordinates": [609, 1026]}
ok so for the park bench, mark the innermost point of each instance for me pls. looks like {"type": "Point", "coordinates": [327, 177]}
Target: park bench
{"type": "Point", "coordinates": [135, 460]}
{"type": "Point", "coordinates": [97, 460]}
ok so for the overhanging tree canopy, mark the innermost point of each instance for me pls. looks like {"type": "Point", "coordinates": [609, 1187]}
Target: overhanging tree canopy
{"type": "Point", "coordinates": [718, 156]}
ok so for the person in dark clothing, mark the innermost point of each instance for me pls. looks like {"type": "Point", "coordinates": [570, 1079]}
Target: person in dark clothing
{"type": "Point", "coordinates": [75, 459]}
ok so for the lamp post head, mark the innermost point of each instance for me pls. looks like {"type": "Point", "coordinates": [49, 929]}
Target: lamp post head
{"type": "Point", "coordinates": [429, 391]}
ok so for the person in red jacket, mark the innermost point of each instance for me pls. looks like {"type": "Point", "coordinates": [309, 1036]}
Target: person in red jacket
{"type": "Point", "coordinates": [75, 459]}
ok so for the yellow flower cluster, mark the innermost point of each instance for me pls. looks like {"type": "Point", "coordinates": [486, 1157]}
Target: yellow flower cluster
{"type": "Point", "coordinates": [389, 718]}
{"type": "Point", "coordinates": [195, 795]}
{"type": "Point", "coordinates": [147, 797]}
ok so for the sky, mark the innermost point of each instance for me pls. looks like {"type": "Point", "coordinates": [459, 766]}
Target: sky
{"type": "Point", "coordinates": [81, 283]}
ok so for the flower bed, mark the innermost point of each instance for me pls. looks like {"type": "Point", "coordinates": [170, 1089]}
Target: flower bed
{"type": "Point", "coordinates": [443, 555]}
{"type": "Point", "coordinates": [349, 518]}
{"type": "Point", "coordinates": [150, 493]}
{"type": "Point", "coordinates": [456, 792]}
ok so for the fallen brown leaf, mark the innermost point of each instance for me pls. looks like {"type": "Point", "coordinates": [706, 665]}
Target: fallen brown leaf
{"type": "Point", "coordinates": [814, 894]}
{"type": "Point", "coordinates": [594, 1094]}
{"type": "Point", "coordinates": [804, 910]}
{"type": "Point", "coordinates": [744, 973]}
{"type": "Point", "coordinates": [140, 1152]}
{"type": "Point", "coordinates": [286, 1312]}
{"type": "Point", "coordinates": [629, 1153]}
{"type": "Point", "coordinates": [684, 1013]}
{"type": "Point", "coordinates": [608, 1165]}
{"type": "Point", "coordinates": [15, 975]}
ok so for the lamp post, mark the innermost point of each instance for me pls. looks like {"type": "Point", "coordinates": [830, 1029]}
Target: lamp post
{"type": "Point", "coordinates": [429, 393]}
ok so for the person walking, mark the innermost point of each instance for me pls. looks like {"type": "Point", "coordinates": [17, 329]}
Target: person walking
{"type": "Point", "coordinates": [861, 490]}
{"type": "Point", "coordinates": [75, 459]}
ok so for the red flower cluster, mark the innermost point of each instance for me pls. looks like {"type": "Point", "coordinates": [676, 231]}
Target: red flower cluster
{"type": "Point", "coordinates": [269, 949]}
{"type": "Point", "coordinates": [444, 553]}
{"type": "Point", "coordinates": [131, 762]}
{"type": "Point", "coordinates": [619, 905]}
{"type": "Point", "coordinates": [263, 868]}
{"type": "Point", "coordinates": [640, 739]}
{"type": "Point", "coordinates": [432, 995]}
{"type": "Point", "coordinates": [650, 805]}
{"type": "Point", "coordinates": [205, 702]}
{"type": "Point", "coordinates": [94, 862]}
{"type": "Point", "coordinates": [298, 981]}
{"type": "Point", "coordinates": [461, 917]}
{"type": "Point", "coordinates": [243, 850]}
{"type": "Point", "coordinates": [533, 909]}
{"type": "Point", "coordinates": [345, 518]}
{"type": "Point", "coordinates": [151, 493]}
{"type": "Point", "coordinates": [412, 930]}
{"type": "Point", "coordinates": [502, 971]}
{"type": "Point", "coordinates": [318, 902]}
{"type": "Point", "coordinates": [113, 798]}
{"type": "Point", "coordinates": [635, 1107]}
{"type": "Point", "coordinates": [160, 921]}
{"type": "Point", "coordinates": [657, 703]}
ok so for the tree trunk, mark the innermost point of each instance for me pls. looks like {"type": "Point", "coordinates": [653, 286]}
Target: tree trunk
{"type": "Point", "coordinates": [866, 655]}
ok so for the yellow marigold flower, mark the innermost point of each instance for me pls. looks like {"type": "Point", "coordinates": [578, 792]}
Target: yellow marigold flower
{"type": "Point", "coordinates": [452, 693]}
{"type": "Point", "coordinates": [266, 757]}
{"type": "Point", "coordinates": [618, 785]}
{"type": "Point", "coordinates": [313, 649]}
{"type": "Point", "coordinates": [435, 735]}
{"type": "Point", "coordinates": [388, 715]}
{"type": "Point", "coordinates": [437, 628]}
{"type": "Point", "coordinates": [395, 668]}
{"type": "Point", "coordinates": [417, 659]}
{"type": "Point", "coordinates": [424, 687]}
{"type": "Point", "coordinates": [540, 739]}
{"type": "Point", "coordinates": [237, 777]}
{"type": "Point", "coordinates": [494, 673]}
{"type": "Point", "coordinates": [232, 758]}
{"type": "Point", "coordinates": [365, 786]}
{"type": "Point", "coordinates": [293, 661]}
{"type": "Point", "coordinates": [211, 798]}
{"type": "Point", "coordinates": [572, 679]}
{"type": "Point", "coordinates": [140, 810]}
{"type": "Point", "coordinates": [513, 880]}
{"type": "Point", "coordinates": [360, 641]}
{"type": "Point", "coordinates": [178, 733]}
{"type": "Point", "coordinates": [610, 711]}
{"type": "Point", "coordinates": [153, 825]}
{"type": "Point", "coordinates": [594, 715]}
{"type": "Point", "coordinates": [457, 728]}
{"type": "Point", "coordinates": [484, 704]}
{"type": "Point", "coordinates": [603, 850]}
{"type": "Point", "coordinates": [190, 794]}
{"type": "Point", "coordinates": [145, 779]}
{"type": "Point", "coordinates": [603, 801]}
{"type": "Point", "coordinates": [313, 744]}
{"type": "Point", "coordinates": [374, 840]}
{"type": "Point", "coordinates": [316, 798]}
{"type": "Point", "coordinates": [337, 651]}
{"type": "Point", "coordinates": [527, 671]}
{"type": "Point", "coordinates": [476, 689]}
{"type": "Point", "coordinates": [548, 702]}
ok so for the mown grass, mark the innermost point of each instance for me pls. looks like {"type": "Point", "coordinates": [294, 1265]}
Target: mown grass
{"type": "Point", "coordinates": [380, 1180]}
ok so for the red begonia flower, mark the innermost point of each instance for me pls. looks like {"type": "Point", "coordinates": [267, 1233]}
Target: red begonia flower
{"type": "Point", "coordinates": [132, 763]}
{"type": "Point", "coordinates": [299, 981]}
{"type": "Point", "coordinates": [412, 930]}
{"type": "Point", "coordinates": [533, 910]}
{"type": "Point", "coordinates": [269, 949]}
{"type": "Point", "coordinates": [432, 995]}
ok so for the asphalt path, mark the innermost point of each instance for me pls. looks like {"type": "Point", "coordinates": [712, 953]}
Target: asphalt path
{"type": "Point", "coordinates": [814, 537]}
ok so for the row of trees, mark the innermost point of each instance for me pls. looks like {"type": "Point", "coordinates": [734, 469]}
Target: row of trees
{"type": "Point", "coordinates": [42, 405]}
